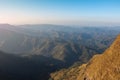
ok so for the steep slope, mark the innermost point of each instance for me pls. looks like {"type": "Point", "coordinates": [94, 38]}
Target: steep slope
{"type": "Point", "coordinates": [101, 67]}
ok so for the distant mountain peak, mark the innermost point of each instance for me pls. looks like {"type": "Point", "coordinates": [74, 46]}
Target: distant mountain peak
{"type": "Point", "coordinates": [5, 24]}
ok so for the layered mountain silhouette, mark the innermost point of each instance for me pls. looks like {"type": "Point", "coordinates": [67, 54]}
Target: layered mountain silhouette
{"type": "Point", "coordinates": [104, 66]}
{"type": "Point", "coordinates": [32, 52]}
{"type": "Point", "coordinates": [67, 44]}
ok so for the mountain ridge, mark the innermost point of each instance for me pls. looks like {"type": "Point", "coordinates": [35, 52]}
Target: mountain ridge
{"type": "Point", "coordinates": [104, 66]}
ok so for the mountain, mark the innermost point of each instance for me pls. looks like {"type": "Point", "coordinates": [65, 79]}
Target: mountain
{"type": "Point", "coordinates": [104, 66]}
{"type": "Point", "coordinates": [14, 67]}
{"type": "Point", "coordinates": [64, 43]}
{"type": "Point", "coordinates": [32, 52]}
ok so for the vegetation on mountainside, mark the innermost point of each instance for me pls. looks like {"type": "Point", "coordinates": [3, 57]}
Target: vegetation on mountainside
{"type": "Point", "coordinates": [101, 67]}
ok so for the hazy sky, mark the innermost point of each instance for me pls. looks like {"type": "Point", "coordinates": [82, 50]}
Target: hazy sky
{"type": "Point", "coordinates": [83, 12]}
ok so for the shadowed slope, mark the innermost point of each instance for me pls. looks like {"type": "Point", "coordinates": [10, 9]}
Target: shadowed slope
{"type": "Point", "coordinates": [13, 67]}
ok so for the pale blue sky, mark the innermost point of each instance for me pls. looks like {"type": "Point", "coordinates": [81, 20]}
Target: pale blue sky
{"type": "Point", "coordinates": [79, 12]}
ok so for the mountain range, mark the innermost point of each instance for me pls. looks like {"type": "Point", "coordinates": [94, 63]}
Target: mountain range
{"type": "Point", "coordinates": [68, 44]}
{"type": "Point", "coordinates": [104, 66]}
{"type": "Point", "coordinates": [32, 52]}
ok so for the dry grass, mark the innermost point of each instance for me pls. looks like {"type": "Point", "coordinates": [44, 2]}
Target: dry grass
{"type": "Point", "coordinates": [101, 67]}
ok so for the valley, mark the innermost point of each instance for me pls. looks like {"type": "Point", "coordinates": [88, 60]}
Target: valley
{"type": "Point", "coordinates": [35, 51]}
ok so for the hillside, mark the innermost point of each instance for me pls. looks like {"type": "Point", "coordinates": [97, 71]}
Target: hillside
{"type": "Point", "coordinates": [101, 67]}
{"type": "Point", "coordinates": [13, 67]}
{"type": "Point", "coordinates": [65, 43]}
